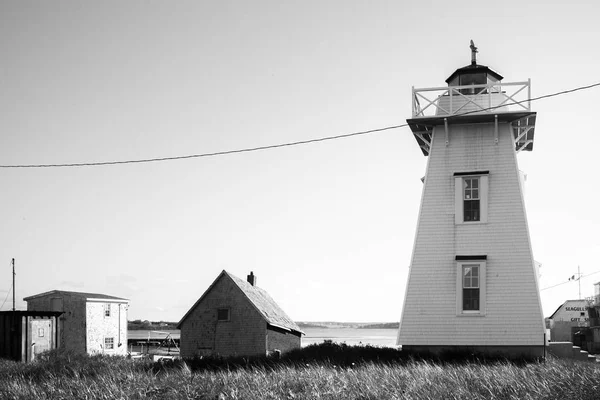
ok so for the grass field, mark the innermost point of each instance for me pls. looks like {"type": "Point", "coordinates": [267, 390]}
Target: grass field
{"type": "Point", "coordinates": [327, 371]}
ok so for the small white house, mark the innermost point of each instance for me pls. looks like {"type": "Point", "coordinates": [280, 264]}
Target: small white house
{"type": "Point", "coordinates": [90, 322]}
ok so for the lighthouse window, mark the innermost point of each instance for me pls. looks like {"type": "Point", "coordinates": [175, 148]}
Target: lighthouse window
{"type": "Point", "coordinates": [473, 79]}
{"type": "Point", "coordinates": [470, 288]}
{"type": "Point", "coordinates": [471, 199]}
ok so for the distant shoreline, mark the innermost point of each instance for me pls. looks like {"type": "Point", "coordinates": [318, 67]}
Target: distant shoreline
{"type": "Point", "coordinates": [354, 325]}
{"type": "Point", "coordinates": [162, 325]}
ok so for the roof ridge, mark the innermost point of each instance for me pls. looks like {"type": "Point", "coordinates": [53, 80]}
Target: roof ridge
{"type": "Point", "coordinates": [260, 299]}
{"type": "Point", "coordinates": [265, 303]}
{"type": "Point", "coordinates": [87, 295]}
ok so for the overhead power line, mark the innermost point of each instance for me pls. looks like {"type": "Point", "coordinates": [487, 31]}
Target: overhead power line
{"type": "Point", "coordinates": [275, 146]}
{"type": "Point", "coordinates": [570, 280]}
{"type": "Point", "coordinates": [6, 298]}
{"type": "Point", "coordinates": [545, 96]}
{"type": "Point", "coordinates": [218, 153]}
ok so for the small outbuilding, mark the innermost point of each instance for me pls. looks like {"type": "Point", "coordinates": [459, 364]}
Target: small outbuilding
{"type": "Point", "coordinates": [236, 318]}
{"type": "Point", "coordinates": [26, 334]}
{"type": "Point", "coordinates": [566, 321]}
{"type": "Point", "coordinates": [89, 323]}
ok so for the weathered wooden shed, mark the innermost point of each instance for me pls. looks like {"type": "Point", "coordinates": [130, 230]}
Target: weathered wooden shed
{"type": "Point", "coordinates": [236, 318]}
{"type": "Point", "coordinates": [26, 334]}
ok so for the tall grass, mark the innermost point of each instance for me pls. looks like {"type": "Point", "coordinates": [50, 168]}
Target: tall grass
{"type": "Point", "coordinates": [325, 371]}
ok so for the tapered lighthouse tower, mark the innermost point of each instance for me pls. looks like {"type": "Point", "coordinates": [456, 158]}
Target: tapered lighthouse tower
{"type": "Point", "coordinates": [473, 283]}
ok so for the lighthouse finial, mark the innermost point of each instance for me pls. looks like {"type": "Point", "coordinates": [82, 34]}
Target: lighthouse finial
{"type": "Point", "coordinates": [473, 53]}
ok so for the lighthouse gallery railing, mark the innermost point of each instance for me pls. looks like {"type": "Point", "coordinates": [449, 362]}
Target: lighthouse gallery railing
{"type": "Point", "coordinates": [489, 98]}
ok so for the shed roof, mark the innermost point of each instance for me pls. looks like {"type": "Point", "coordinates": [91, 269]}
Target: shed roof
{"type": "Point", "coordinates": [84, 295]}
{"type": "Point", "coordinates": [259, 298]}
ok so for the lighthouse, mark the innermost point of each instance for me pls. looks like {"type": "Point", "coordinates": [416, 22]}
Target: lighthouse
{"type": "Point", "coordinates": [472, 281]}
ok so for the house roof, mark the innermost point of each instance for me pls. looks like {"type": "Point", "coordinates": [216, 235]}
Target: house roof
{"type": "Point", "coordinates": [259, 298]}
{"type": "Point", "coordinates": [87, 296]}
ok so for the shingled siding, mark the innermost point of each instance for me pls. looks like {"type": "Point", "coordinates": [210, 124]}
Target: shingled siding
{"type": "Point", "coordinates": [243, 334]}
{"type": "Point", "coordinates": [282, 340]}
{"type": "Point", "coordinates": [513, 315]}
{"type": "Point", "coordinates": [71, 324]}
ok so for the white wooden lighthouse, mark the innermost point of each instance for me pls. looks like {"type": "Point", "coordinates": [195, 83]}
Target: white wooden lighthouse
{"type": "Point", "coordinates": [473, 283]}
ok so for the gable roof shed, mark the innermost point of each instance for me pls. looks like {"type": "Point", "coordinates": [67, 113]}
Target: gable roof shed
{"type": "Point", "coordinates": [259, 298]}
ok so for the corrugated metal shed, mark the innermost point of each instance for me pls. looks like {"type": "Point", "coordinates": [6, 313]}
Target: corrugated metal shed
{"type": "Point", "coordinates": [24, 334]}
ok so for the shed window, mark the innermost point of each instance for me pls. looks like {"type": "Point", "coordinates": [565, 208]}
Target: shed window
{"type": "Point", "coordinates": [56, 304]}
{"type": "Point", "coordinates": [223, 314]}
{"type": "Point", "coordinates": [109, 343]}
{"type": "Point", "coordinates": [107, 310]}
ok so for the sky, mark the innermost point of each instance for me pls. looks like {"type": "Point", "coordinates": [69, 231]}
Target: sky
{"type": "Point", "coordinates": [327, 227]}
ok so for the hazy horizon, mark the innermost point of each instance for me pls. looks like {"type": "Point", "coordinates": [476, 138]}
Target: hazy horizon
{"type": "Point", "coordinates": [327, 227]}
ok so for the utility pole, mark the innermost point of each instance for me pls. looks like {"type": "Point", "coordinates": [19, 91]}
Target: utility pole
{"type": "Point", "coordinates": [13, 285]}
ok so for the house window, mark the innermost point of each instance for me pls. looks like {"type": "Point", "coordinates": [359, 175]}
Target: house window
{"type": "Point", "coordinates": [471, 197]}
{"type": "Point", "coordinates": [109, 343]}
{"type": "Point", "coordinates": [223, 314]}
{"type": "Point", "coordinates": [470, 285]}
{"type": "Point", "coordinates": [107, 310]}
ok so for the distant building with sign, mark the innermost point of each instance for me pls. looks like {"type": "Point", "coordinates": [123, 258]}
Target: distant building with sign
{"type": "Point", "coordinates": [89, 323]}
{"type": "Point", "coordinates": [564, 323]}
{"type": "Point", "coordinates": [577, 323]}
{"type": "Point", "coordinates": [236, 318]}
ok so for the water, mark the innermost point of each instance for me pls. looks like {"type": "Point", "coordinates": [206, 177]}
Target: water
{"type": "Point", "coordinates": [350, 336]}
{"type": "Point", "coordinates": [153, 335]}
